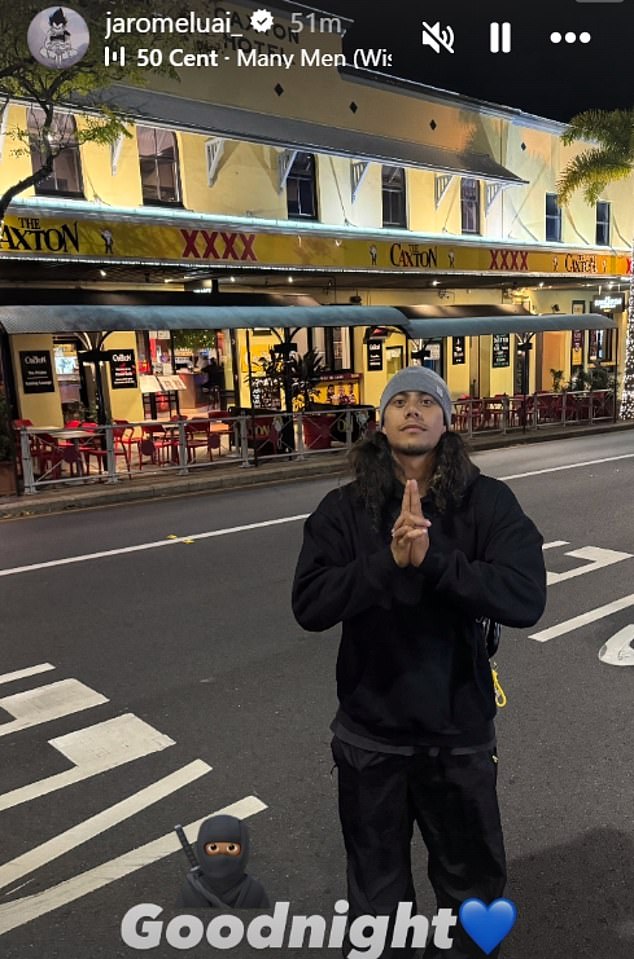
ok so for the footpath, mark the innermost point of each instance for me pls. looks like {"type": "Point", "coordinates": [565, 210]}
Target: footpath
{"type": "Point", "coordinates": [232, 476]}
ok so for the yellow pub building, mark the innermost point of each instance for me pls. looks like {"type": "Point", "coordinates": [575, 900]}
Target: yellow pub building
{"type": "Point", "coordinates": [267, 177]}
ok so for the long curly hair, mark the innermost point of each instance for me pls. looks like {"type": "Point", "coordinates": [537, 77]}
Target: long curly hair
{"type": "Point", "coordinates": [372, 464]}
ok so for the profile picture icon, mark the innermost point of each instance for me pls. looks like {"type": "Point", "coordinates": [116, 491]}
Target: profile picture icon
{"type": "Point", "coordinates": [58, 37]}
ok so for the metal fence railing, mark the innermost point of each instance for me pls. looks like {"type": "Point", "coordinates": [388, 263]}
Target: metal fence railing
{"type": "Point", "coordinates": [82, 453]}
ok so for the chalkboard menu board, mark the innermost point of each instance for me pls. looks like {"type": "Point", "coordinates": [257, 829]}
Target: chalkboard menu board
{"type": "Point", "coordinates": [501, 355]}
{"type": "Point", "coordinates": [122, 369]}
{"type": "Point", "coordinates": [37, 372]}
{"type": "Point", "coordinates": [375, 354]}
{"type": "Point", "coordinates": [457, 350]}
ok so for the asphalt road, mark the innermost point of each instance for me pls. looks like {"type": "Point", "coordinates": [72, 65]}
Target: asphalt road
{"type": "Point", "coordinates": [196, 644]}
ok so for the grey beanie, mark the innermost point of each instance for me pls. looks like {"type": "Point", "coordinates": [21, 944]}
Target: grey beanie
{"type": "Point", "coordinates": [422, 380]}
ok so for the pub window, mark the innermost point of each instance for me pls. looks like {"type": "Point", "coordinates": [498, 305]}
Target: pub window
{"type": "Point", "coordinates": [333, 344]}
{"type": "Point", "coordinates": [470, 205]}
{"type": "Point", "coordinates": [65, 177]}
{"type": "Point", "coordinates": [158, 157]}
{"type": "Point", "coordinates": [553, 218]}
{"type": "Point", "coordinates": [603, 223]}
{"type": "Point", "coordinates": [600, 347]}
{"type": "Point", "coordinates": [301, 188]}
{"type": "Point", "coordinates": [394, 199]}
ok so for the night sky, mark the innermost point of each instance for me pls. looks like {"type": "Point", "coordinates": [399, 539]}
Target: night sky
{"type": "Point", "coordinates": [554, 81]}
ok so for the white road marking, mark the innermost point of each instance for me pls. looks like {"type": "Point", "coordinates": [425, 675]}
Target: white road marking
{"type": "Point", "coordinates": [597, 557]}
{"type": "Point", "coordinates": [93, 750]}
{"type": "Point", "coordinates": [570, 625]}
{"type": "Point", "coordinates": [103, 554]}
{"type": "Point", "coordinates": [53, 848]}
{"type": "Point", "coordinates": [44, 703]}
{"type": "Point", "coordinates": [20, 911]}
{"type": "Point", "coordinates": [567, 466]}
{"type": "Point", "coordinates": [556, 543]}
{"type": "Point", "coordinates": [23, 673]}
{"type": "Point", "coordinates": [618, 650]}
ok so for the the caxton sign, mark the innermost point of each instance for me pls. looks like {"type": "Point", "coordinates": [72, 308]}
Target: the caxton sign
{"type": "Point", "coordinates": [31, 237]}
{"type": "Point", "coordinates": [582, 263]}
{"type": "Point", "coordinates": [412, 255]}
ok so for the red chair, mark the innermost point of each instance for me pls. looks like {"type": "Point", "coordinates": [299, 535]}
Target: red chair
{"type": "Point", "coordinates": [95, 447]}
{"type": "Point", "coordinates": [199, 436]}
{"type": "Point", "coordinates": [49, 456]}
{"type": "Point", "coordinates": [155, 443]}
{"type": "Point", "coordinates": [224, 429]}
{"type": "Point", "coordinates": [127, 438]}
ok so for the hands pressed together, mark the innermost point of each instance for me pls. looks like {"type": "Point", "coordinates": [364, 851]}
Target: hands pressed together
{"type": "Point", "coordinates": [410, 540]}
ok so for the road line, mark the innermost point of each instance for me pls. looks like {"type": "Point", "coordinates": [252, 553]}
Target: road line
{"type": "Point", "coordinates": [20, 911]}
{"type": "Point", "coordinates": [103, 554]}
{"type": "Point", "coordinates": [568, 466]}
{"type": "Point", "coordinates": [556, 543]}
{"type": "Point", "coordinates": [93, 750]}
{"type": "Point", "coordinates": [44, 703]}
{"type": "Point", "coordinates": [23, 673]}
{"type": "Point", "coordinates": [570, 625]}
{"type": "Point", "coordinates": [53, 848]}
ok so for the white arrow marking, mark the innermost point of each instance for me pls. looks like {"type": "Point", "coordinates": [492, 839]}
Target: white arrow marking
{"type": "Point", "coordinates": [597, 557]}
{"type": "Point", "coordinates": [570, 625]}
{"type": "Point", "coordinates": [93, 750]}
{"type": "Point", "coordinates": [44, 703]}
{"type": "Point", "coordinates": [618, 649]}
{"type": "Point", "coordinates": [20, 911]}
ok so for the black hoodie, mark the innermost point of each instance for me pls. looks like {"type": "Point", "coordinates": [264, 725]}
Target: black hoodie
{"type": "Point", "coordinates": [412, 667]}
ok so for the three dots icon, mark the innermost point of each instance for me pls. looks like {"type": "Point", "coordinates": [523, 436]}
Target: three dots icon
{"type": "Point", "coordinates": [570, 37]}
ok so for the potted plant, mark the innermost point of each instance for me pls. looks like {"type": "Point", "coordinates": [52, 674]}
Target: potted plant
{"type": "Point", "coordinates": [307, 371]}
{"type": "Point", "coordinates": [557, 376]}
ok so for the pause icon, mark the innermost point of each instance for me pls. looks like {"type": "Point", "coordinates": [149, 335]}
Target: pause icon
{"type": "Point", "coordinates": [500, 37]}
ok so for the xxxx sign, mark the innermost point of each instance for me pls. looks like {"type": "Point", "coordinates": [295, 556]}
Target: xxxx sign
{"type": "Point", "coordinates": [509, 260]}
{"type": "Point", "coordinates": [216, 245]}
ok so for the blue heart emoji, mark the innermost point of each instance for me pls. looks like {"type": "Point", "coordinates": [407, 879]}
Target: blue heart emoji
{"type": "Point", "coordinates": [487, 925]}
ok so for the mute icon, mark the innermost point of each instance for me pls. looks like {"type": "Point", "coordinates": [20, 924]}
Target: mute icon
{"type": "Point", "coordinates": [500, 37]}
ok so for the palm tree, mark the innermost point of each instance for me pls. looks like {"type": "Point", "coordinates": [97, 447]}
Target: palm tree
{"type": "Point", "coordinates": [592, 170]}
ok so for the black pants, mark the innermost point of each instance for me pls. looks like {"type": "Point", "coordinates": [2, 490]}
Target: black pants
{"type": "Point", "coordinates": [453, 800]}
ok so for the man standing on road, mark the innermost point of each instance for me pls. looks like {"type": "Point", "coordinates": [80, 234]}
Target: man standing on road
{"type": "Point", "coordinates": [408, 557]}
